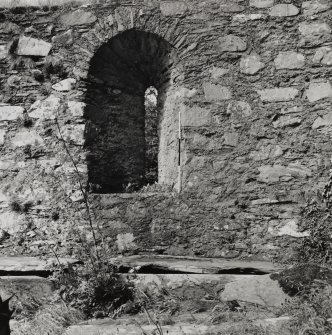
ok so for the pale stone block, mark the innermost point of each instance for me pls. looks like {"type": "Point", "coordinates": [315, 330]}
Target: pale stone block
{"type": "Point", "coordinates": [12, 222]}
{"type": "Point", "coordinates": [10, 113]}
{"type": "Point", "coordinates": [76, 108]}
{"type": "Point", "coordinates": [65, 38]}
{"type": "Point", "coordinates": [261, 3]}
{"type": "Point", "coordinates": [231, 139]}
{"type": "Point", "coordinates": [77, 18]}
{"type": "Point", "coordinates": [278, 94]}
{"type": "Point", "coordinates": [239, 108]}
{"type": "Point", "coordinates": [251, 64]}
{"type": "Point", "coordinates": [216, 92]}
{"type": "Point", "coordinates": [173, 8]}
{"type": "Point", "coordinates": [261, 290]}
{"type": "Point", "coordinates": [319, 90]}
{"type": "Point", "coordinates": [45, 109]}
{"type": "Point", "coordinates": [73, 133]}
{"type": "Point", "coordinates": [195, 117]}
{"type": "Point", "coordinates": [27, 137]}
{"type": "Point", "coordinates": [289, 60]}
{"type": "Point", "coordinates": [242, 18]}
{"type": "Point", "coordinates": [290, 228]}
{"type": "Point", "coordinates": [232, 43]}
{"type": "Point", "coordinates": [282, 10]}
{"type": "Point", "coordinates": [2, 136]}
{"type": "Point", "coordinates": [65, 85]}
{"type": "Point", "coordinates": [310, 30]}
{"type": "Point", "coordinates": [324, 121]}
{"type": "Point", "coordinates": [3, 51]}
{"type": "Point", "coordinates": [28, 46]}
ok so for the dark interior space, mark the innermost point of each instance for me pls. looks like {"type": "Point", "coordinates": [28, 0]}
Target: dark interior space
{"type": "Point", "coordinates": [122, 130]}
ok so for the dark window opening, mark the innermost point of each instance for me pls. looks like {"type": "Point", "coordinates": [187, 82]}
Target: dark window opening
{"type": "Point", "coordinates": [128, 80]}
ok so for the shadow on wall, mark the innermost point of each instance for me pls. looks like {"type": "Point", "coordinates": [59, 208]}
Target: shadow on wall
{"type": "Point", "coordinates": [122, 138]}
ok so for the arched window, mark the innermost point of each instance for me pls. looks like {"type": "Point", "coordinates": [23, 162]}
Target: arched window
{"type": "Point", "coordinates": [131, 132]}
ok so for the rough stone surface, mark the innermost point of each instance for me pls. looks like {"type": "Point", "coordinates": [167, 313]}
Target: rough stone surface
{"type": "Point", "coordinates": [318, 91]}
{"type": "Point", "coordinates": [289, 60]}
{"type": "Point", "coordinates": [282, 10]}
{"type": "Point", "coordinates": [261, 290]}
{"type": "Point", "coordinates": [9, 113]}
{"type": "Point", "coordinates": [28, 46]}
{"type": "Point", "coordinates": [77, 18]}
{"type": "Point", "coordinates": [251, 64]}
{"type": "Point", "coordinates": [278, 94]}
{"type": "Point", "coordinates": [216, 92]}
{"type": "Point", "coordinates": [232, 43]}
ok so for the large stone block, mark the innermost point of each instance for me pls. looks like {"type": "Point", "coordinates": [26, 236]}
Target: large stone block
{"type": "Point", "coordinates": [77, 18]}
{"type": "Point", "coordinates": [314, 30]}
{"type": "Point", "coordinates": [173, 8]}
{"type": "Point", "coordinates": [323, 121]}
{"type": "Point", "coordinates": [261, 3]}
{"type": "Point", "coordinates": [319, 90]}
{"type": "Point", "coordinates": [73, 133]}
{"type": "Point", "coordinates": [28, 46]}
{"type": "Point", "coordinates": [195, 117]}
{"type": "Point", "coordinates": [232, 43]}
{"type": "Point", "coordinates": [12, 222]}
{"type": "Point", "coordinates": [261, 290]}
{"type": "Point", "coordinates": [282, 10]}
{"type": "Point", "coordinates": [65, 85]}
{"type": "Point", "coordinates": [323, 56]}
{"type": "Point", "coordinates": [216, 92]}
{"type": "Point", "coordinates": [76, 108]}
{"type": "Point", "coordinates": [251, 64]}
{"type": "Point", "coordinates": [289, 60]}
{"type": "Point", "coordinates": [10, 113]}
{"type": "Point", "coordinates": [278, 94]}
{"type": "Point", "coordinates": [27, 137]}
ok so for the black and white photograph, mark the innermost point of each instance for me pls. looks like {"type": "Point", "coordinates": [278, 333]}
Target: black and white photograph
{"type": "Point", "coordinates": [166, 167]}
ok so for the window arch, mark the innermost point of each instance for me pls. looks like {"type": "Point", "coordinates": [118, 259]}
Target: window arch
{"type": "Point", "coordinates": [122, 132]}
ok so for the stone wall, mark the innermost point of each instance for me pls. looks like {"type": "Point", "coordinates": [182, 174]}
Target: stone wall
{"type": "Point", "coordinates": [252, 88]}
